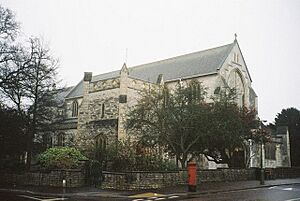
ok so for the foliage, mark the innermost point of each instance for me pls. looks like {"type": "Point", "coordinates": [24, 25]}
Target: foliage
{"type": "Point", "coordinates": [290, 117]}
{"type": "Point", "coordinates": [120, 156]}
{"type": "Point", "coordinates": [27, 78]}
{"type": "Point", "coordinates": [12, 138]}
{"type": "Point", "coordinates": [151, 162]}
{"type": "Point", "coordinates": [126, 156]}
{"type": "Point", "coordinates": [60, 158]}
{"type": "Point", "coordinates": [176, 121]}
{"type": "Point", "coordinates": [232, 126]}
{"type": "Point", "coordinates": [183, 124]}
{"type": "Point", "coordinates": [9, 26]}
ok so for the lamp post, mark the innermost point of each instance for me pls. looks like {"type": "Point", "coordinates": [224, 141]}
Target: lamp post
{"type": "Point", "coordinates": [262, 171]}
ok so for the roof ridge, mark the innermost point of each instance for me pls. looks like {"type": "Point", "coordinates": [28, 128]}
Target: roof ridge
{"type": "Point", "coordinates": [163, 60]}
{"type": "Point", "coordinates": [106, 73]}
{"type": "Point", "coordinates": [176, 57]}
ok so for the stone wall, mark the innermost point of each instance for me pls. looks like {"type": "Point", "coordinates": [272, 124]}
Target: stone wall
{"type": "Point", "coordinates": [219, 175]}
{"type": "Point", "coordinates": [139, 180]}
{"type": "Point", "coordinates": [74, 178]}
{"type": "Point", "coordinates": [155, 180]}
{"type": "Point", "coordinates": [282, 173]}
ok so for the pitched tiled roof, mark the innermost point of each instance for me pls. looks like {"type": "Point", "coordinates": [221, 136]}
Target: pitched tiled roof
{"type": "Point", "coordinates": [77, 91]}
{"type": "Point", "coordinates": [180, 67]}
{"type": "Point", "coordinates": [188, 65]}
{"type": "Point", "coordinates": [62, 93]}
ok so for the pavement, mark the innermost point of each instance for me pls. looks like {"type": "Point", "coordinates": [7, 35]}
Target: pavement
{"type": "Point", "coordinates": [179, 190]}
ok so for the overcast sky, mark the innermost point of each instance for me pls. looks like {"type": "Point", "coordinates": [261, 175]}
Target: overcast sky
{"type": "Point", "coordinates": [93, 35]}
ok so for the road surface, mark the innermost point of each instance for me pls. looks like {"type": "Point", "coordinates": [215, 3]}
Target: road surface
{"type": "Point", "coordinates": [276, 193]}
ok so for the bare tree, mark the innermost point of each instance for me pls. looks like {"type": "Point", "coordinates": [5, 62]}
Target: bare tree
{"type": "Point", "coordinates": [27, 78]}
{"type": "Point", "coordinates": [9, 29]}
{"type": "Point", "coordinates": [40, 87]}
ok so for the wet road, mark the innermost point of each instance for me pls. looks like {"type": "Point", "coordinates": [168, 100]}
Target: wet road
{"type": "Point", "coordinates": [8, 196]}
{"type": "Point", "coordinates": [276, 193]}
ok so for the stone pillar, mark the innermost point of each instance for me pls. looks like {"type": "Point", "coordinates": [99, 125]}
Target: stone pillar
{"type": "Point", "coordinates": [122, 102]}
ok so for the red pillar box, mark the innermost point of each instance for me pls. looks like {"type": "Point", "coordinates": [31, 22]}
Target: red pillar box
{"type": "Point", "coordinates": [192, 173]}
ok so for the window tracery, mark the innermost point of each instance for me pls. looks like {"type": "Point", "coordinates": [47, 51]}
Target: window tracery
{"type": "Point", "coordinates": [75, 108]}
{"type": "Point", "coordinates": [61, 139]}
{"type": "Point", "coordinates": [235, 81]}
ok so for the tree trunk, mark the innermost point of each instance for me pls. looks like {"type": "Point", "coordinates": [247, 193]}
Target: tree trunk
{"type": "Point", "coordinates": [183, 160]}
{"type": "Point", "coordinates": [29, 150]}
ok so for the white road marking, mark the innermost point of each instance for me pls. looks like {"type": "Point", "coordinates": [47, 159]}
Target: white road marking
{"type": "Point", "coordinates": [272, 187]}
{"type": "Point", "coordinates": [295, 199]}
{"type": "Point", "coordinates": [44, 199]}
{"type": "Point", "coordinates": [156, 198]}
{"type": "Point", "coordinates": [287, 189]}
{"type": "Point", "coordinates": [33, 198]}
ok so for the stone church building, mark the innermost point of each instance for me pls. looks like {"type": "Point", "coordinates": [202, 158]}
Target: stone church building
{"type": "Point", "coordinates": [94, 111]}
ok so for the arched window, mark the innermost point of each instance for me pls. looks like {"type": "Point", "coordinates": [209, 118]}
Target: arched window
{"type": "Point", "coordinates": [75, 108]}
{"type": "Point", "coordinates": [61, 139]}
{"type": "Point", "coordinates": [100, 142]}
{"type": "Point", "coordinates": [235, 81]}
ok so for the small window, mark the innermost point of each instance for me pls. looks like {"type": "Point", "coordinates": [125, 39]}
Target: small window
{"type": "Point", "coordinates": [75, 109]}
{"type": "Point", "coordinates": [61, 139]}
{"type": "Point", "coordinates": [102, 110]}
{"type": "Point", "coordinates": [123, 99]}
{"type": "Point", "coordinates": [217, 90]}
{"type": "Point", "coordinates": [100, 142]}
{"type": "Point", "coordinates": [236, 57]}
{"type": "Point", "coordinates": [60, 112]}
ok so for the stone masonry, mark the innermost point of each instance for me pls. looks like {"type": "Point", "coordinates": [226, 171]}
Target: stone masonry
{"type": "Point", "coordinates": [97, 106]}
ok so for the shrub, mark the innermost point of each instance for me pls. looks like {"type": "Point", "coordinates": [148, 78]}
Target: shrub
{"type": "Point", "coordinates": [152, 162]}
{"type": "Point", "coordinates": [124, 156]}
{"type": "Point", "coordinates": [60, 158]}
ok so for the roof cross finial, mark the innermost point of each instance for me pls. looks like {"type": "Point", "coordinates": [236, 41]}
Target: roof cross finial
{"type": "Point", "coordinates": [126, 55]}
{"type": "Point", "coordinates": [235, 36]}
